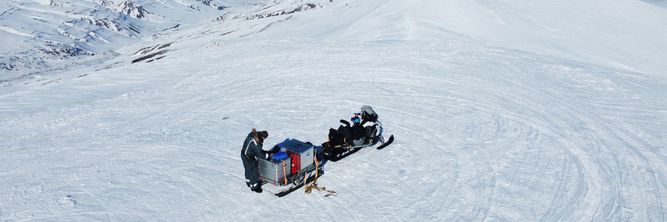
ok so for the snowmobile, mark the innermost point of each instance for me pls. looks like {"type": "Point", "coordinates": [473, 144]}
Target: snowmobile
{"type": "Point", "coordinates": [365, 131]}
{"type": "Point", "coordinates": [295, 163]}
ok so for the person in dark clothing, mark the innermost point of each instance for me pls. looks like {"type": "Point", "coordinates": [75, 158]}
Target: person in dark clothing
{"type": "Point", "coordinates": [347, 134]}
{"type": "Point", "coordinates": [250, 154]}
{"type": "Point", "coordinates": [357, 131]}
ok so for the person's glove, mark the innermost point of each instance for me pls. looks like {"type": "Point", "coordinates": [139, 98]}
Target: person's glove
{"type": "Point", "coordinates": [275, 149]}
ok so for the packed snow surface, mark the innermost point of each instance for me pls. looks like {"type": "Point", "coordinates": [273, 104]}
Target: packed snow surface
{"type": "Point", "coordinates": [502, 111]}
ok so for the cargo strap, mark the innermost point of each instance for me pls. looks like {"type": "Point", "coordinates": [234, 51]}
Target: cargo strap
{"type": "Point", "coordinates": [285, 172]}
{"type": "Point", "coordinates": [309, 187]}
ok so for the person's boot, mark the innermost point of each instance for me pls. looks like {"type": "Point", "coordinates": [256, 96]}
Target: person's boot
{"type": "Point", "coordinates": [256, 188]}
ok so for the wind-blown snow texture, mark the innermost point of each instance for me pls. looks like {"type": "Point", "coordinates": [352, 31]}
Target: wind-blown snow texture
{"type": "Point", "coordinates": [502, 111]}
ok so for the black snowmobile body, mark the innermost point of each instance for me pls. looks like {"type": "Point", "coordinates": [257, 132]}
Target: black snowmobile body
{"type": "Point", "coordinates": [348, 139]}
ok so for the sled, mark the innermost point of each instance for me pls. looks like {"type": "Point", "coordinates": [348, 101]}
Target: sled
{"type": "Point", "coordinates": [300, 167]}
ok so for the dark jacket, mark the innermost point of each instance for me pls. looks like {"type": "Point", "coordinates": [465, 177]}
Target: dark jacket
{"type": "Point", "coordinates": [250, 155]}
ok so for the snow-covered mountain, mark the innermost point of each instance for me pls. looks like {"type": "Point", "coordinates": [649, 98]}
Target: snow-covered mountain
{"type": "Point", "coordinates": [49, 35]}
{"type": "Point", "coordinates": [502, 110]}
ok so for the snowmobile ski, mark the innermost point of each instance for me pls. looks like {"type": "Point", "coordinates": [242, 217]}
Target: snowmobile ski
{"type": "Point", "coordinates": [385, 144]}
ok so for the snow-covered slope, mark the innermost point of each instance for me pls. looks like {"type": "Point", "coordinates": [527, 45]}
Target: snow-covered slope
{"type": "Point", "coordinates": [502, 110]}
